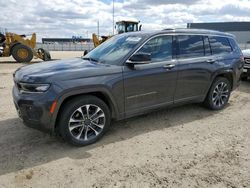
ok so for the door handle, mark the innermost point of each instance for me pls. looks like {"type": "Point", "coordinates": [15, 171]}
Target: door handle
{"type": "Point", "coordinates": [210, 61]}
{"type": "Point", "coordinates": [169, 66]}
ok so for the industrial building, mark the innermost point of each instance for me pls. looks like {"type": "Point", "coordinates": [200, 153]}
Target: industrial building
{"type": "Point", "coordinates": [240, 29]}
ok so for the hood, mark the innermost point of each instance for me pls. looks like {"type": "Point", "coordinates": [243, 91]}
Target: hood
{"type": "Point", "coordinates": [246, 53]}
{"type": "Point", "coordinates": [61, 70]}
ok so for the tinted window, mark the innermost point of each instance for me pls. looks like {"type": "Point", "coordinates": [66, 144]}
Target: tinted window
{"type": "Point", "coordinates": [233, 44]}
{"type": "Point", "coordinates": [160, 48]}
{"type": "Point", "coordinates": [219, 45]}
{"type": "Point", "coordinates": [190, 46]}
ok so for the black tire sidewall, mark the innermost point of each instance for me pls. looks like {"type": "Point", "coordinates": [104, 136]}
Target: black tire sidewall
{"type": "Point", "coordinates": [244, 77]}
{"type": "Point", "coordinates": [70, 107]}
{"type": "Point", "coordinates": [17, 58]}
{"type": "Point", "coordinates": [209, 99]}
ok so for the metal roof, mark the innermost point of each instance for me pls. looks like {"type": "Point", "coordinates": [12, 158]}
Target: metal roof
{"type": "Point", "coordinates": [222, 26]}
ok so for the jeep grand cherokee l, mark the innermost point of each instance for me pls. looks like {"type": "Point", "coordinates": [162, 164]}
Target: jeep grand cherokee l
{"type": "Point", "coordinates": [128, 75]}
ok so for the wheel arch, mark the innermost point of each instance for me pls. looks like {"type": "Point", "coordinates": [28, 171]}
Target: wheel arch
{"type": "Point", "coordinates": [226, 74]}
{"type": "Point", "coordinates": [222, 73]}
{"type": "Point", "coordinates": [105, 96]}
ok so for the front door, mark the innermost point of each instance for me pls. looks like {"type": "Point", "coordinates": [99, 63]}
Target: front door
{"type": "Point", "coordinates": [150, 85]}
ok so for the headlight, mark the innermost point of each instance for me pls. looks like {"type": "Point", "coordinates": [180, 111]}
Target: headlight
{"type": "Point", "coordinates": [34, 88]}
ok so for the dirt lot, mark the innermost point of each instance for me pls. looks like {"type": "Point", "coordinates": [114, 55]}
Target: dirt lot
{"type": "Point", "coordinates": [187, 146]}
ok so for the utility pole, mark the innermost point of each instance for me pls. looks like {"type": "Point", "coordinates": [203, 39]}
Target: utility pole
{"type": "Point", "coordinates": [113, 17]}
{"type": "Point", "coordinates": [98, 28]}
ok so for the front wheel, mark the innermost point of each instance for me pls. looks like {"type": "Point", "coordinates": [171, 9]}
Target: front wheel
{"type": "Point", "coordinates": [84, 120]}
{"type": "Point", "coordinates": [218, 94]}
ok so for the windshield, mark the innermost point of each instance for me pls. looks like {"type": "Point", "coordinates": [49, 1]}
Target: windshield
{"type": "Point", "coordinates": [120, 28]}
{"type": "Point", "coordinates": [114, 49]}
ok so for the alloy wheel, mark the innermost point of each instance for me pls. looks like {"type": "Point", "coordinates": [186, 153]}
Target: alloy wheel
{"type": "Point", "coordinates": [86, 122]}
{"type": "Point", "coordinates": [220, 94]}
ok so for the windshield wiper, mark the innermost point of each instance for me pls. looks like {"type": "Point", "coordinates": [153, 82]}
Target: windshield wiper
{"type": "Point", "coordinates": [90, 59]}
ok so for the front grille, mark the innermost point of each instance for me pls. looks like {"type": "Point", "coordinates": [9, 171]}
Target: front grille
{"type": "Point", "coordinates": [17, 85]}
{"type": "Point", "coordinates": [247, 60]}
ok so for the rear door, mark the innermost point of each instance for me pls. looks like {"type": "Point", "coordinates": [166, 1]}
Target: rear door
{"type": "Point", "coordinates": [195, 67]}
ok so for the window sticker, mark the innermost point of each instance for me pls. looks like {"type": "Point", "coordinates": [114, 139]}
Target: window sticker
{"type": "Point", "coordinates": [133, 39]}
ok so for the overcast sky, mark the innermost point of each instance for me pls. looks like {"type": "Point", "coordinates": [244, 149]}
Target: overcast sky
{"type": "Point", "coordinates": [65, 18]}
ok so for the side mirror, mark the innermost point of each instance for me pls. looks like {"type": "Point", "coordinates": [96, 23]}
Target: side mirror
{"type": "Point", "coordinates": [140, 58]}
{"type": "Point", "coordinates": [140, 27]}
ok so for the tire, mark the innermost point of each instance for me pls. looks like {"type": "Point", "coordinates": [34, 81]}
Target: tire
{"type": "Point", "coordinates": [244, 77]}
{"type": "Point", "coordinates": [47, 56]}
{"type": "Point", "coordinates": [219, 94]}
{"type": "Point", "coordinates": [74, 120]}
{"type": "Point", "coordinates": [2, 38]}
{"type": "Point", "coordinates": [22, 53]}
{"type": "Point", "coordinates": [44, 53]}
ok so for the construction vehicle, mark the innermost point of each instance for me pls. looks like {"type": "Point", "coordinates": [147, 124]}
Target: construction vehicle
{"type": "Point", "coordinates": [21, 48]}
{"type": "Point", "coordinates": [123, 26]}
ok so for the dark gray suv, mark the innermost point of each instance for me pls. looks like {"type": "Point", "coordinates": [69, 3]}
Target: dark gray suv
{"type": "Point", "coordinates": [128, 75]}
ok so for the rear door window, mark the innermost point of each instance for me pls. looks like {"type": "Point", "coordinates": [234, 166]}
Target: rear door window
{"type": "Point", "coordinates": [160, 48]}
{"type": "Point", "coordinates": [191, 46]}
{"type": "Point", "coordinates": [220, 45]}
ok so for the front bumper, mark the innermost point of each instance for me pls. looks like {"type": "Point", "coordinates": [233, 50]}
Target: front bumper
{"type": "Point", "coordinates": [34, 109]}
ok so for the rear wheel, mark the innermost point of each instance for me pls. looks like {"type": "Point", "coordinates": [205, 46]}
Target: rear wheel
{"type": "Point", "coordinates": [84, 120]}
{"type": "Point", "coordinates": [22, 53]}
{"type": "Point", "coordinates": [218, 94]}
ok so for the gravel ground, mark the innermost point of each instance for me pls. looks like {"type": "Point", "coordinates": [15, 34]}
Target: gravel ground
{"type": "Point", "coordinates": [187, 146]}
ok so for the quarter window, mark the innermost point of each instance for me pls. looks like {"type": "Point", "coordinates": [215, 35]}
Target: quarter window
{"type": "Point", "coordinates": [190, 46]}
{"type": "Point", "coordinates": [219, 45]}
{"type": "Point", "coordinates": [160, 48]}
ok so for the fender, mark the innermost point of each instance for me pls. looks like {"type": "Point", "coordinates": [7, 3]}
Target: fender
{"type": "Point", "coordinates": [81, 91]}
{"type": "Point", "coordinates": [220, 72]}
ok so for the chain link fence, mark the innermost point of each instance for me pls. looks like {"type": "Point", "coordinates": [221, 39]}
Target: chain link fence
{"type": "Point", "coordinates": [66, 47]}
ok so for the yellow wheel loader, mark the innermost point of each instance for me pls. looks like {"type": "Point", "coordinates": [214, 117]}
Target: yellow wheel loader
{"type": "Point", "coordinates": [21, 48]}
{"type": "Point", "coordinates": [121, 27]}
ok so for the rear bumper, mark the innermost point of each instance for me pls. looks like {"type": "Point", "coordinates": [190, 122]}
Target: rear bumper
{"type": "Point", "coordinates": [33, 109]}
